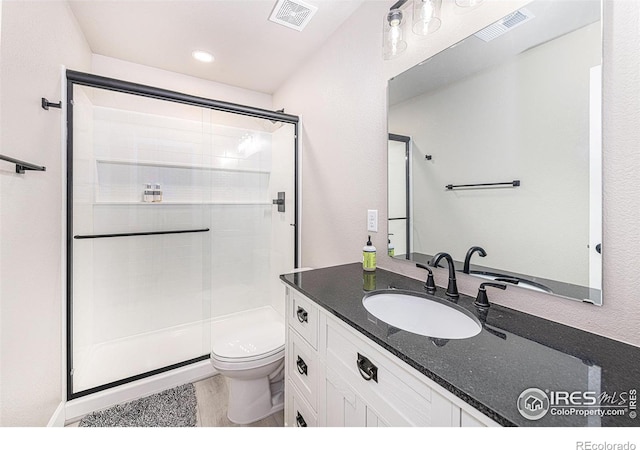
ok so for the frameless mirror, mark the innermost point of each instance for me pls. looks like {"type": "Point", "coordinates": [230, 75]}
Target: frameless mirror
{"type": "Point", "coordinates": [496, 143]}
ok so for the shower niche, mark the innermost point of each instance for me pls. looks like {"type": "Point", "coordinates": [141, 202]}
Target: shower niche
{"type": "Point", "coordinates": [147, 280]}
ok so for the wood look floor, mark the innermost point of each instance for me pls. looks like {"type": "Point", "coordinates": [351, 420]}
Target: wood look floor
{"type": "Point", "coordinates": [212, 395]}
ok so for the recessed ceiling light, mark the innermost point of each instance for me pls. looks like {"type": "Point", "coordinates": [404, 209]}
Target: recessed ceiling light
{"type": "Point", "coordinates": [202, 56]}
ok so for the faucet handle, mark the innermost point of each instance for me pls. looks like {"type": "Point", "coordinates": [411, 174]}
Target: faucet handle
{"type": "Point", "coordinates": [482, 301]}
{"type": "Point", "coordinates": [430, 284]}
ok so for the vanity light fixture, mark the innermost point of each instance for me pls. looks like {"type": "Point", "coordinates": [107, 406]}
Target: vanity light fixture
{"type": "Point", "coordinates": [394, 42]}
{"type": "Point", "coordinates": [202, 56]}
{"type": "Point", "coordinates": [426, 16]}
{"type": "Point", "coordinates": [426, 20]}
{"type": "Point", "coordinates": [468, 3]}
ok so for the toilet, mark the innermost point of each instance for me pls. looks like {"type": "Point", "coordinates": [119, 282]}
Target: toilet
{"type": "Point", "coordinates": [248, 349]}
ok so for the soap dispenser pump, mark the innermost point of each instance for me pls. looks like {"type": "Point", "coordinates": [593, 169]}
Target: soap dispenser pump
{"type": "Point", "coordinates": [369, 257]}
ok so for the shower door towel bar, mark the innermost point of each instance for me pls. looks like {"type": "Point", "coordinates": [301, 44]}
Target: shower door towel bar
{"type": "Point", "coordinates": [513, 183]}
{"type": "Point", "coordinates": [142, 233]}
{"type": "Point", "coordinates": [21, 166]}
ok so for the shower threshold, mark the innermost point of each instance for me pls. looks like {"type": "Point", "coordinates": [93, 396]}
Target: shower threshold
{"type": "Point", "coordinates": [118, 359]}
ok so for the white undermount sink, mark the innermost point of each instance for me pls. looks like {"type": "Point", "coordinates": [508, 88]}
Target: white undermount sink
{"type": "Point", "coordinates": [422, 314]}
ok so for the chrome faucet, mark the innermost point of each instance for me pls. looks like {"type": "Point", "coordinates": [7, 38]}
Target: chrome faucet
{"type": "Point", "coordinates": [452, 287]}
{"type": "Point", "coordinates": [470, 253]}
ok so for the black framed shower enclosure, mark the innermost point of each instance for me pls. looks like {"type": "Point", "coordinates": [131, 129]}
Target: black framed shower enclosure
{"type": "Point", "coordinates": [406, 217]}
{"type": "Point", "coordinates": [192, 235]}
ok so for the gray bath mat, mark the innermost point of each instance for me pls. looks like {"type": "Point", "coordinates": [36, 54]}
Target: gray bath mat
{"type": "Point", "coordinates": [171, 408]}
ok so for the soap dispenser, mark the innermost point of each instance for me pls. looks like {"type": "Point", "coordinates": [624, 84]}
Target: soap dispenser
{"type": "Point", "coordinates": [391, 249]}
{"type": "Point", "coordinates": [369, 257]}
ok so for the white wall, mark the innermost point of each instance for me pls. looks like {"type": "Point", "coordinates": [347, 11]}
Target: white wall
{"type": "Point", "coordinates": [137, 73]}
{"type": "Point", "coordinates": [497, 137]}
{"type": "Point", "coordinates": [341, 93]}
{"type": "Point", "coordinates": [33, 51]}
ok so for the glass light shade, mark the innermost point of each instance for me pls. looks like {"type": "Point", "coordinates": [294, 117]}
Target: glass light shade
{"type": "Point", "coordinates": [393, 39]}
{"type": "Point", "coordinates": [468, 3]}
{"type": "Point", "coordinates": [426, 16]}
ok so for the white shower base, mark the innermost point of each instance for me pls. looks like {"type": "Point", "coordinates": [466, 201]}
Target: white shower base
{"type": "Point", "coordinates": [76, 409]}
{"type": "Point", "coordinates": [118, 359]}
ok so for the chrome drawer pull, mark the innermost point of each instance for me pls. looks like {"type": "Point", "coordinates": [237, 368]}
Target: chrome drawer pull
{"type": "Point", "coordinates": [302, 366]}
{"type": "Point", "coordinates": [302, 315]}
{"type": "Point", "coordinates": [300, 420]}
{"type": "Point", "coordinates": [367, 369]}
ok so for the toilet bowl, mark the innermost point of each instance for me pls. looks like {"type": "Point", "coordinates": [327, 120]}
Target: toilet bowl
{"type": "Point", "coordinates": [248, 350]}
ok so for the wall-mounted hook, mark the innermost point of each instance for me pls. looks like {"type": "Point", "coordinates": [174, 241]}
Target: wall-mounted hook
{"type": "Point", "coordinates": [46, 104]}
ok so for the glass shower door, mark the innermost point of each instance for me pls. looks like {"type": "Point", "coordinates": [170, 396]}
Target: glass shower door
{"type": "Point", "coordinates": [181, 210]}
{"type": "Point", "coordinates": [141, 292]}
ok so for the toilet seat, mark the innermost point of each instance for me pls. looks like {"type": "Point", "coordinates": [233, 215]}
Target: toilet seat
{"type": "Point", "coordinates": [220, 362]}
{"type": "Point", "coordinates": [249, 343]}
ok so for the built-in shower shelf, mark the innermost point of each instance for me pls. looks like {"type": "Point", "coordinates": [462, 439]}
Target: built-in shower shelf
{"type": "Point", "coordinates": [154, 204]}
{"type": "Point", "coordinates": [177, 165]}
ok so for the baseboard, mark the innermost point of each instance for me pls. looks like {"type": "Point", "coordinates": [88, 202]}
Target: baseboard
{"type": "Point", "coordinates": [57, 419]}
{"type": "Point", "coordinates": [77, 408]}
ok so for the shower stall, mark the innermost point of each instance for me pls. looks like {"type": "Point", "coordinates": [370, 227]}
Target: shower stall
{"type": "Point", "coordinates": [180, 210]}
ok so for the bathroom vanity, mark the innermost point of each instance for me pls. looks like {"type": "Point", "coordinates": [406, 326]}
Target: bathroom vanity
{"type": "Point", "coordinates": [345, 367]}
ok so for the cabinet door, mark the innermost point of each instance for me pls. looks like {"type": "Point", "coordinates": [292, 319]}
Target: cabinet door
{"type": "Point", "coordinates": [344, 408]}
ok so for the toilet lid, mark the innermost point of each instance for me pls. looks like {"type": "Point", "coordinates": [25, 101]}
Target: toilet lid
{"type": "Point", "coordinates": [259, 340]}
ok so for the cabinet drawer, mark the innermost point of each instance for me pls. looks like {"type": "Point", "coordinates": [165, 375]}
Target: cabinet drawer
{"type": "Point", "coordinates": [302, 366]}
{"type": "Point", "coordinates": [398, 397]}
{"type": "Point", "coordinates": [301, 414]}
{"type": "Point", "coordinates": [303, 317]}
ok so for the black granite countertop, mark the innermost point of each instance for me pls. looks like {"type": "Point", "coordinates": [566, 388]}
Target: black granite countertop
{"type": "Point", "coordinates": [513, 352]}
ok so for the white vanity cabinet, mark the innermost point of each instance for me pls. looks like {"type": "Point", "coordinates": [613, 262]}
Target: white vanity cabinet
{"type": "Point", "coordinates": [337, 377]}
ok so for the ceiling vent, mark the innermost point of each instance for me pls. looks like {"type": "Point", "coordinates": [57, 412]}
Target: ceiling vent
{"type": "Point", "coordinates": [293, 14]}
{"type": "Point", "coordinates": [505, 24]}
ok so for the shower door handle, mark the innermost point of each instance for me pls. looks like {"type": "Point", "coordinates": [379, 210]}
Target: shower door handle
{"type": "Point", "coordinates": [279, 201]}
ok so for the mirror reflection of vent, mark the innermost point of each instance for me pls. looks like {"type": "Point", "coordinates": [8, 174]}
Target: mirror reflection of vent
{"type": "Point", "coordinates": [293, 14]}
{"type": "Point", "coordinates": [505, 24]}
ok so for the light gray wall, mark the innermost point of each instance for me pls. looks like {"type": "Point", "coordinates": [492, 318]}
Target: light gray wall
{"type": "Point", "coordinates": [341, 95]}
{"type": "Point", "coordinates": [37, 38]}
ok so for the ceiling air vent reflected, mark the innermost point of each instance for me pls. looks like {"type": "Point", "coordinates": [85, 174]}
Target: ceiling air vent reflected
{"type": "Point", "coordinates": [505, 24]}
{"type": "Point", "coordinates": [293, 14]}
